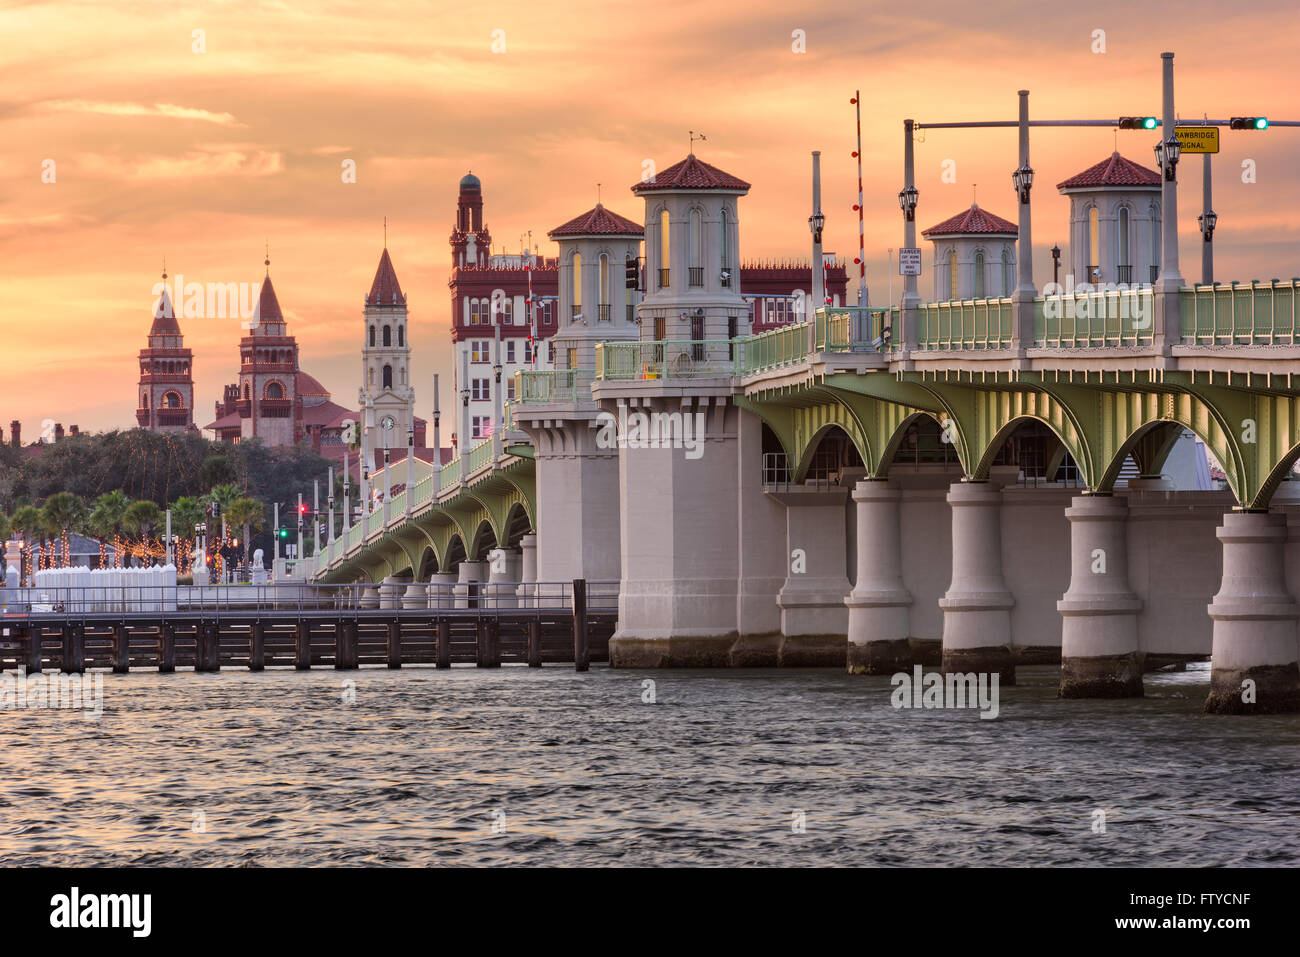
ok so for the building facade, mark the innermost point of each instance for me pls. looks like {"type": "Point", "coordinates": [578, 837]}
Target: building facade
{"type": "Point", "coordinates": [166, 385]}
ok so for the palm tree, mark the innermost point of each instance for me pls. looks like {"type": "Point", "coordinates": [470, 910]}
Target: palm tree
{"type": "Point", "coordinates": [105, 519]}
{"type": "Point", "coordinates": [27, 522]}
{"type": "Point", "coordinates": [187, 511]}
{"type": "Point", "coordinates": [245, 512]}
{"type": "Point", "coordinates": [142, 517]}
{"type": "Point", "coordinates": [4, 527]}
{"type": "Point", "coordinates": [64, 512]}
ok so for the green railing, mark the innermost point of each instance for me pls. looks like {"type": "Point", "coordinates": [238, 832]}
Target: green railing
{"type": "Point", "coordinates": [480, 455]}
{"type": "Point", "coordinates": [775, 348]}
{"type": "Point", "coordinates": [1257, 313]}
{"type": "Point", "coordinates": [669, 358]}
{"type": "Point", "coordinates": [965, 324]}
{"type": "Point", "coordinates": [423, 491]}
{"type": "Point", "coordinates": [559, 385]}
{"type": "Point", "coordinates": [1099, 319]}
{"type": "Point", "coordinates": [450, 475]}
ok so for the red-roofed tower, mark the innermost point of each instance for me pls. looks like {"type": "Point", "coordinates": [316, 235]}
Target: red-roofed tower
{"type": "Point", "coordinates": [166, 372]}
{"type": "Point", "coordinates": [268, 374]}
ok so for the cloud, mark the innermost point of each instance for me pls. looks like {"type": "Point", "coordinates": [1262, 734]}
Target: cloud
{"type": "Point", "coordinates": [167, 110]}
{"type": "Point", "coordinates": [193, 164]}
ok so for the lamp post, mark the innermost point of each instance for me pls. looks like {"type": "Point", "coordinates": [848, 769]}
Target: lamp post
{"type": "Point", "coordinates": [1022, 178]}
{"type": "Point", "coordinates": [1056, 265]}
{"type": "Point", "coordinates": [387, 425]}
{"type": "Point", "coordinates": [1169, 282]}
{"type": "Point", "coordinates": [817, 222]}
{"type": "Point", "coordinates": [410, 463]}
{"type": "Point", "coordinates": [1207, 221]}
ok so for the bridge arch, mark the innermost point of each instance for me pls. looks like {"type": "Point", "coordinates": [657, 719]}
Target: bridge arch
{"type": "Point", "coordinates": [455, 553]}
{"type": "Point", "coordinates": [1277, 474]}
{"type": "Point", "coordinates": [483, 541]}
{"type": "Point", "coordinates": [830, 440]}
{"type": "Point", "coordinates": [893, 446]}
{"type": "Point", "coordinates": [1069, 439]}
{"type": "Point", "coordinates": [517, 525]}
{"type": "Point", "coordinates": [428, 564]}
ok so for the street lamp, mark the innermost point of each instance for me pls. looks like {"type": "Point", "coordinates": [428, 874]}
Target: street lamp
{"type": "Point", "coordinates": [907, 201]}
{"type": "Point", "coordinates": [1167, 154]}
{"type": "Point", "coordinates": [816, 222]}
{"type": "Point", "coordinates": [1208, 221]}
{"type": "Point", "coordinates": [1023, 180]}
{"type": "Point", "coordinates": [1056, 265]}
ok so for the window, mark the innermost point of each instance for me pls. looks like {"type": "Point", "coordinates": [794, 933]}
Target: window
{"type": "Point", "coordinates": [528, 350]}
{"type": "Point", "coordinates": [372, 335]}
{"type": "Point", "coordinates": [1125, 263]}
{"type": "Point", "coordinates": [274, 390]}
{"type": "Point", "coordinates": [1006, 272]}
{"type": "Point", "coordinates": [663, 248]}
{"type": "Point", "coordinates": [510, 350]}
{"type": "Point", "coordinates": [144, 400]}
{"type": "Point", "coordinates": [474, 316]}
{"type": "Point", "coordinates": [388, 335]}
{"type": "Point", "coordinates": [401, 336]}
{"type": "Point", "coordinates": [172, 400]}
{"type": "Point", "coordinates": [696, 275]}
{"type": "Point", "coordinates": [952, 274]}
{"type": "Point", "coordinates": [1094, 245]}
{"type": "Point", "coordinates": [479, 389]}
{"type": "Point", "coordinates": [388, 377]}
{"type": "Point", "coordinates": [575, 266]}
{"type": "Point", "coordinates": [478, 351]}
{"type": "Point", "coordinates": [603, 270]}
{"type": "Point", "coordinates": [572, 358]}
{"type": "Point", "coordinates": [726, 240]}
{"type": "Point", "coordinates": [510, 389]}
{"type": "Point", "coordinates": [979, 274]}
{"type": "Point", "coordinates": [548, 312]}
{"type": "Point", "coordinates": [507, 312]}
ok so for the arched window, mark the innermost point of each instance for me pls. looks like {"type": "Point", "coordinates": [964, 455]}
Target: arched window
{"type": "Point", "coordinates": [372, 337]}
{"type": "Point", "coordinates": [1006, 272]}
{"type": "Point", "coordinates": [664, 249]}
{"type": "Point", "coordinates": [576, 267]}
{"type": "Point", "coordinates": [370, 376]}
{"type": "Point", "coordinates": [726, 239]}
{"type": "Point", "coordinates": [401, 336]}
{"type": "Point", "coordinates": [604, 287]}
{"type": "Point", "coordinates": [1125, 263]}
{"type": "Point", "coordinates": [144, 400]}
{"type": "Point", "coordinates": [248, 391]}
{"type": "Point", "coordinates": [696, 248]}
{"type": "Point", "coordinates": [952, 274]}
{"type": "Point", "coordinates": [1094, 245]}
{"type": "Point", "coordinates": [1156, 255]}
{"type": "Point", "coordinates": [979, 274]}
{"type": "Point", "coordinates": [172, 400]}
{"type": "Point", "coordinates": [274, 390]}
{"type": "Point", "coordinates": [388, 377]}
{"type": "Point", "coordinates": [388, 335]}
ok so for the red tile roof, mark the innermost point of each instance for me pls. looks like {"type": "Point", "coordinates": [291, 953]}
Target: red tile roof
{"type": "Point", "coordinates": [309, 385]}
{"type": "Point", "coordinates": [598, 222]}
{"type": "Point", "coordinates": [225, 422]}
{"type": "Point", "coordinates": [385, 290]}
{"type": "Point", "coordinates": [691, 173]}
{"type": "Point", "coordinates": [164, 319]}
{"type": "Point", "coordinates": [973, 220]}
{"type": "Point", "coordinates": [268, 307]}
{"type": "Point", "coordinates": [1115, 170]}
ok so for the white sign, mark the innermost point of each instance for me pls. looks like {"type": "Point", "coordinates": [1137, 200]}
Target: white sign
{"type": "Point", "coordinates": [909, 261]}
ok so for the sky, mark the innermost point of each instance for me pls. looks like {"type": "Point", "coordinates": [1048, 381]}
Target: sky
{"type": "Point", "coordinates": [127, 137]}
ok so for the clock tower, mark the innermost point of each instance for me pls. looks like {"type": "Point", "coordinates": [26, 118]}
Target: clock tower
{"type": "Point", "coordinates": [386, 361]}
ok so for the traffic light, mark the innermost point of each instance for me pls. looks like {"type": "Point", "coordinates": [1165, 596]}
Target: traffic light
{"type": "Point", "coordinates": [632, 274]}
{"type": "Point", "coordinates": [1248, 123]}
{"type": "Point", "coordinates": [1138, 122]}
{"type": "Point", "coordinates": [302, 509]}
{"type": "Point", "coordinates": [283, 532]}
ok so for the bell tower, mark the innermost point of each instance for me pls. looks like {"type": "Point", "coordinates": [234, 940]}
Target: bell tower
{"type": "Point", "coordinates": [166, 386]}
{"type": "Point", "coordinates": [386, 359]}
{"type": "Point", "coordinates": [471, 243]}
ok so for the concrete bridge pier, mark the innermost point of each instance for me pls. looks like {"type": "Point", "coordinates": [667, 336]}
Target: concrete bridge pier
{"type": "Point", "coordinates": [763, 560]}
{"type": "Point", "coordinates": [390, 592]}
{"type": "Point", "coordinates": [977, 606]}
{"type": "Point", "coordinates": [416, 595]}
{"type": "Point", "coordinates": [441, 587]}
{"type": "Point", "coordinates": [527, 571]}
{"type": "Point", "coordinates": [1254, 666]}
{"type": "Point", "coordinates": [468, 577]}
{"type": "Point", "coordinates": [814, 619]}
{"type": "Point", "coordinates": [505, 570]}
{"type": "Point", "coordinates": [1099, 611]}
{"type": "Point", "coordinates": [879, 624]}
{"type": "Point", "coordinates": [370, 596]}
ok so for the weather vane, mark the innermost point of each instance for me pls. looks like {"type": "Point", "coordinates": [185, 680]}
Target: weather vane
{"type": "Point", "coordinates": [695, 136]}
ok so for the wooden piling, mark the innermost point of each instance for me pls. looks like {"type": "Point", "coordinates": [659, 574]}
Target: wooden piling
{"type": "Point", "coordinates": [442, 643]}
{"type": "Point", "coordinates": [345, 646]}
{"type": "Point", "coordinates": [580, 660]}
{"type": "Point", "coordinates": [489, 641]}
{"type": "Point", "coordinates": [74, 650]}
{"type": "Point", "coordinates": [534, 644]}
{"type": "Point", "coordinates": [394, 644]}
{"type": "Point", "coordinates": [121, 649]}
{"type": "Point", "coordinates": [257, 647]}
{"type": "Point", "coordinates": [302, 654]}
{"type": "Point", "coordinates": [207, 642]}
{"type": "Point", "coordinates": [166, 648]}
{"type": "Point", "coordinates": [34, 659]}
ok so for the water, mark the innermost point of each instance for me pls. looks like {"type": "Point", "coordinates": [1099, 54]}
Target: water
{"type": "Point", "coordinates": [275, 769]}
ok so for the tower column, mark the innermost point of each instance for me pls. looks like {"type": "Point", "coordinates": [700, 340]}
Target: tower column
{"type": "Point", "coordinates": [1254, 666]}
{"type": "Point", "coordinates": [1099, 628]}
{"type": "Point", "coordinates": [468, 576]}
{"type": "Point", "coordinates": [977, 606]}
{"type": "Point", "coordinates": [879, 605]}
{"type": "Point", "coordinates": [813, 617]}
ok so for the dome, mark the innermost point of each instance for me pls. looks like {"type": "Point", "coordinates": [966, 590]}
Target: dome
{"type": "Point", "coordinates": [470, 181]}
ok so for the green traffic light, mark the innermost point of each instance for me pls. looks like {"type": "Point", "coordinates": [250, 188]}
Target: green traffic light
{"type": "Point", "coordinates": [1261, 122]}
{"type": "Point", "coordinates": [1149, 123]}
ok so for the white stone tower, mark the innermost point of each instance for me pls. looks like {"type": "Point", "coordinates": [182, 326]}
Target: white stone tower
{"type": "Point", "coordinates": [1114, 223]}
{"type": "Point", "coordinates": [386, 358]}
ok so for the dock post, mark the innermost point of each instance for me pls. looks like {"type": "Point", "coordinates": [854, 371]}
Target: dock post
{"type": "Point", "coordinates": [121, 649]}
{"type": "Point", "coordinates": [534, 643]}
{"type": "Point", "coordinates": [74, 650]}
{"type": "Point", "coordinates": [580, 661]}
{"type": "Point", "coordinates": [257, 647]}
{"type": "Point", "coordinates": [302, 655]}
{"type": "Point", "coordinates": [34, 659]}
{"type": "Point", "coordinates": [345, 646]}
{"type": "Point", "coordinates": [489, 641]}
{"type": "Point", "coordinates": [207, 636]}
{"type": "Point", "coordinates": [442, 643]}
{"type": "Point", "coordinates": [394, 644]}
{"type": "Point", "coordinates": [166, 649]}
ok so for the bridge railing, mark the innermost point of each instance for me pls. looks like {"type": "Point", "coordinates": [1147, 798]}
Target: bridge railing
{"type": "Point", "coordinates": [786, 345]}
{"type": "Point", "coordinates": [669, 358]}
{"type": "Point", "coordinates": [450, 475]}
{"type": "Point", "coordinates": [1255, 313]}
{"type": "Point", "coordinates": [423, 490]}
{"type": "Point", "coordinates": [851, 328]}
{"type": "Point", "coordinates": [965, 324]}
{"type": "Point", "coordinates": [1095, 319]}
{"type": "Point", "coordinates": [537, 386]}
{"type": "Point", "coordinates": [480, 455]}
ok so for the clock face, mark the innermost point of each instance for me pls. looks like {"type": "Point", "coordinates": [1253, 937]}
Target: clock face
{"type": "Point", "coordinates": [388, 422]}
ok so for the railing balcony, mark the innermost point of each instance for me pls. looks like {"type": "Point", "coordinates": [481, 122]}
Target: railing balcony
{"type": "Point", "coordinates": [604, 312]}
{"type": "Point", "coordinates": [480, 455]}
{"type": "Point", "coordinates": [450, 475]}
{"type": "Point", "coordinates": [631, 312]}
{"type": "Point", "coordinates": [575, 310]}
{"type": "Point", "coordinates": [1254, 313]}
{"type": "Point", "coordinates": [964, 324]}
{"type": "Point", "coordinates": [1098, 319]}
{"type": "Point", "coordinates": [663, 279]}
{"type": "Point", "coordinates": [668, 359]}
{"type": "Point", "coordinates": [696, 275]}
{"type": "Point", "coordinates": [1124, 274]}
{"type": "Point", "coordinates": [536, 387]}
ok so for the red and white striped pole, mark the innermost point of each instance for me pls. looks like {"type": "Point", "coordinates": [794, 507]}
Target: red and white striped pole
{"type": "Point", "coordinates": [862, 233]}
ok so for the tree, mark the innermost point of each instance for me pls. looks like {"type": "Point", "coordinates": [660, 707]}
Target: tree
{"type": "Point", "coordinates": [4, 527]}
{"type": "Point", "coordinates": [142, 517]}
{"type": "Point", "coordinates": [187, 511]}
{"type": "Point", "coordinates": [64, 512]}
{"type": "Point", "coordinates": [105, 520]}
{"type": "Point", "coordinates": [246, 512]}
{"type": "Point", "coordinates": [26, 522]}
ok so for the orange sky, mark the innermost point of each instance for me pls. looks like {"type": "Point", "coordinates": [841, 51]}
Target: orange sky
{"type": "Point", "coordinates": [202, 157]}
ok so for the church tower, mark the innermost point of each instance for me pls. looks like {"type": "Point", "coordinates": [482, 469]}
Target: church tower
{"type": "Point", "coordinates": [386, 359]}
{"type": "Point", "coordinates": [268, 373]}
{"type": "Point", "coordinates": [166, 373]}
{"type": "Point", "coordinates": [471, 243]}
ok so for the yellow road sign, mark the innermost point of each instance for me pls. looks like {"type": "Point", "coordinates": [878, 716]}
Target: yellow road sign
{"type": "Point", "coordinates": [1198, 139]}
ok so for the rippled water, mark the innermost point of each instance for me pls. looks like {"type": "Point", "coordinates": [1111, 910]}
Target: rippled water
{"type": "Point", "coordinates": [274, 769]}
